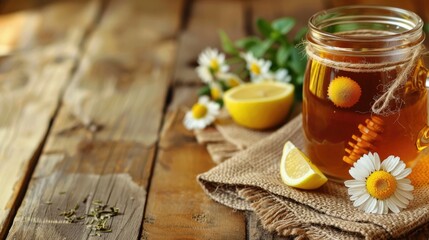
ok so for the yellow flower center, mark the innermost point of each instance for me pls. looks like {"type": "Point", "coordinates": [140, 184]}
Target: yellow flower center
{"type": "Point", "coordinates": [255, 68]}
{"type": "Point", "coordinates": [215, 93]}
{"type": "Point", "coordinates": [232, 82]}
{"type": "Point", "coordinates": [199, 111]}
{"type": "Point", "coordinates": [214, 65]}
{"type": "Point", "coordinates": [381, 185]}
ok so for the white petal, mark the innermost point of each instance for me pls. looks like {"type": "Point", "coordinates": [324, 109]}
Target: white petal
{"type": "Point", "coordinates": [376, 162]}
{"type": "Point", "coordinates": [366, 167]}
{"type": "Point", "coordinates": [398, 203]}
{"type": "Point", "coordinates": [389, 163]}
{"type": "Point", "coordinates": [392, 206]}
{"type": "Point", "coordinates": [404, 173]}
{"type": "Point", "coordinates": [399, 168]}
{"type": "Point", "coordinates": [354, 183]}
{"type": "Point", "coordinates": [384, 164]}
{"type": "Point", "coordinates": [404, 180]}
{"type": "Point", "coordinates": [221, 57]}
{"type": "Point", "coordinates": [401, 198]}
{"type": "Point", "coordinates": [386, 208]}
{"type": "Point", "coordinates": [370, 165]}
{"type": "Point", "coordinates": [371, 208]}
{"type": "Point", "coordinates": [405, 186]}
{"type": "Point", "coordinates": [394, 164]}
{"type": "Point", "coordinates": [204, 100]}
{"type": "Point", "coordinates": [213, 106]}
{"type": "Point", "coordinates": [224, 68]}
{"type": "Point", "coordinates": [204, 74]}
{"type": "Point", "coordinates": [404, 194]}
{"type": "Point", "coordinates": [380, 206]}
{"type": "Point", "coordinates": [357, 191]}
{"type": "Point", "coordinates": [356, 196]}
{"type": "Point", "coordinates": [362, 199]}
{"type": "Point", "coordinates": [188, 120]}
{"type": "Point", "coordinates": [362, 160]}
{"type": "Point", "coordinates": [357, 174]}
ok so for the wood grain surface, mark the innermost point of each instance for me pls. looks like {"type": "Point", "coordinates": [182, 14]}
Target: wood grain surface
{"type": "Point", "coordinates": [31, 84]}
{"type": "Point", "coordinates": [101, 146]}
{"type": "Point", "coordinates": [92, 96]}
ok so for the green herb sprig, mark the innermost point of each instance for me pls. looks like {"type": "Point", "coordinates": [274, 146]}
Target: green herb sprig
{"type": "Point", "coordinates": [273, 44]}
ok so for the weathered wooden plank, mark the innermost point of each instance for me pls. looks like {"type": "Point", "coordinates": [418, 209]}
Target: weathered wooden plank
{"type": "Point", "coordinates": [409, 5]}
{"type": "Point", "coordinates": [31, 84]}
{"type": "Point", "coordinates": [300, 10]}
{"type": "Point", "coordinates": [102, 143]}
{"type": "Point", "coordinates": [8, 6]}
{"type": "Point", "coordinates": [47, 24]}
{"type": "Point", "coordinates": [206, 18]}
{"type": "Point", "coordinates": [177, 207]}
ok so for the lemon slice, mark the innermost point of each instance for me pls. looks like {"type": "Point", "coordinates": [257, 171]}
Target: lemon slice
{"type": "Point", "coordinates": [298, 171]}
{"type": "Point", "coordinates": [259, 105]}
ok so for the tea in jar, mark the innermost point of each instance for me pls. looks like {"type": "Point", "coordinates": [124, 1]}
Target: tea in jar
{"type": "Point", "coordinates": [364, 88]}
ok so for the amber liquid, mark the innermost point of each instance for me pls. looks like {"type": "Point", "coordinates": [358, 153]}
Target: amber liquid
{"type": "Point", "coordinates": [329, 129]}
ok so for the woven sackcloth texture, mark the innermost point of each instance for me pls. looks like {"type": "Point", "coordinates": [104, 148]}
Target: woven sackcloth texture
{"type": "Point", "coordinates": [250, 180]}
{"type": "Point", "coordinates": [227, 138]}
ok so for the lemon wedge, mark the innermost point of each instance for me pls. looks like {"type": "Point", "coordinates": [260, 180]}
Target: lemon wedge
{"type": "Point", "coordinates": [259, 105]}
{"type": "Point", "coordinates": [298, 171]}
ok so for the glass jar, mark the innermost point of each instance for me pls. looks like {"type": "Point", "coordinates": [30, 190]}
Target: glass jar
{"type": "Point", "coordinates": [356, 54]}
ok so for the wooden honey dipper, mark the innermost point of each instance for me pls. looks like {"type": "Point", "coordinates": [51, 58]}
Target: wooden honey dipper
{"type": "Point", "coordinates": [365, 143]}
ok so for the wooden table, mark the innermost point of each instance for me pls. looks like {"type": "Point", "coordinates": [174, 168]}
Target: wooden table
{"type": "Point", "coordinates": [91, 94]}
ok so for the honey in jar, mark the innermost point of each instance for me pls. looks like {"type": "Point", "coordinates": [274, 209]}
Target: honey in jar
{"type": "Point", "coordinates": [356, 54]}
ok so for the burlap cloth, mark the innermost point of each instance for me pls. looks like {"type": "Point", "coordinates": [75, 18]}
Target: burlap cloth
{"type": "Point", "coordinates": [226, 138]}
{"type": "Point", "coordinates": [250, 180]}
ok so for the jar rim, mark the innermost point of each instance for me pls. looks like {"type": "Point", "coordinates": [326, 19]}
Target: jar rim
{"type": "Point", "coordinates": [405, 16]}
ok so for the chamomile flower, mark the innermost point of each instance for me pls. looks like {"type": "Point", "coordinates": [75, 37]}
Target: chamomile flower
{"type": "Point", "coordinates": [216, 91]}
{"type": "Point", "coordinates": [258, 68]}
{"type": "Point", "coordinates": [282, 75]}
{"type": "Point", "coordinates": [379, 187]}
{"type": "Point", "coordinates": [230, 79]}
{"type": "Point", "coordinates": [211, 62]}
{"type": "Point", "coordinates": [202, 114]}
{"type": "Point", "coordinates": [204, 74]}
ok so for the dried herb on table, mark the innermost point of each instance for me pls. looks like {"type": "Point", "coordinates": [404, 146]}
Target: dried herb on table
{"type": "Point", "coordinates": [98, 216]}
{"type": "Point", "coordinates": [97, 220]}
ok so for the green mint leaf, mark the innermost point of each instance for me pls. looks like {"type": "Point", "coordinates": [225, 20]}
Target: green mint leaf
{"type": "Point", "coordinates": [227, 44]}
{"type": "Point", "coordinates": [282, 55]}
{"type": "Point", "coordinates": [299, 79]}
{"type": "Point", "coordinates": [297, 61]}
{"type": "Point", "coordinates": [264, 27]}
{"type": "Point", "coordinates": [247, 43]}
{"type": "Point", "coordinates": [204, 91]}
{"type": "Point", "coordinates": [283, 25]}
{"type": "Point", "coordinates": [260, 49]}
{"type": "Point", "coordinates": [299, 36]}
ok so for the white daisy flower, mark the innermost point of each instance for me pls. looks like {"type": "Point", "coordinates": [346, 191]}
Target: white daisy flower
{"type": "Point", "coordinates": [216, 91]}
{"type": "Point", "coordinates": [204, 74]}
{"type": "Point", "coordinates": [378, 188]}
{"type": "Point", "coordinates": [230, 79]}
{"type": "Point", "coordinates": [258, 68]}
{"type": "Point", "coordinates": [202, 114]}
{"type": "Point", "coordinates": [282, 75]}
{"type": "Point", "coordinates": [213, 62]}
